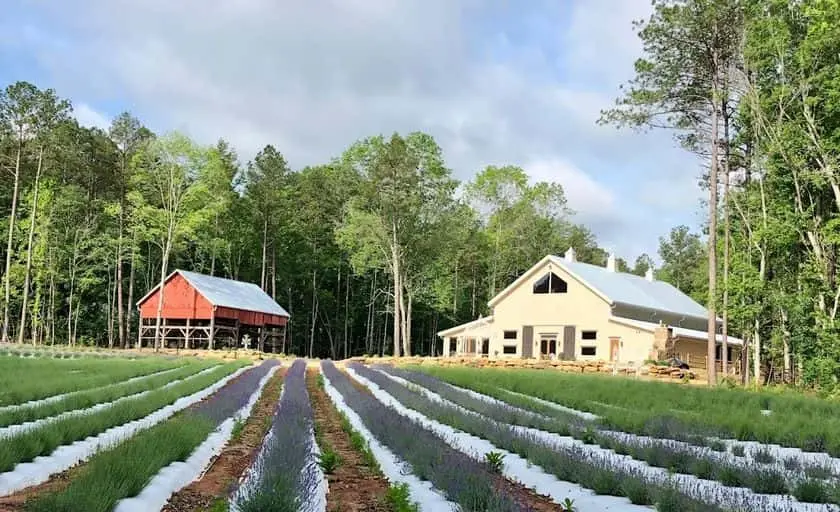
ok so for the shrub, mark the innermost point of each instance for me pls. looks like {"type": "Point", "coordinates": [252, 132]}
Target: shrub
{"type": "Point", "coordinates": [399, 498]}
{"type": "Point", "coordinates": [811, 491]}
{"type": "Point", "coordinates": [568, 505]}
{"type": "Point", "coordinates": [763, 455]}
{"type": "Point", "coordinates": [238, 428]}
{"type": "Point", "coordinates": [738, 450]}
{"type": "Point", "coordinates": [495, 460]}
{"type": "Point", "coordinates": [636, 491]}
{"type": "Point", "coordinates": [329, 460]}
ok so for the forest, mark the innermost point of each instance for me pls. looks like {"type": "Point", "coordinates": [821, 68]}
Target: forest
{"type": "Point", "coordinates": [377, 249]}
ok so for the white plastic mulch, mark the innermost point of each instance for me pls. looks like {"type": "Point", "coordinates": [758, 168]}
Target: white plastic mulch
{"type": "Point", "coordinates": [13, 430]}
{"type": "Point", "coordinates": [723, 457]}
{"type": "Point", "coordinates": [56, 398]}
{"type": "Point", "coordinates": [702, 490]}
{"type": "Point", "coordinates": [515, 467]}
{"type": "Point", "coordinates": [178, 475]}
{"type": "Point", "coordinates": [395, 470]}
{"type": "Point", "coordinates": [779, 452]}
{"type": "Point", "coordinates": [64, 457]}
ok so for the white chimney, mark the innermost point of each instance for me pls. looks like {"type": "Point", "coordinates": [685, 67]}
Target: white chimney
{"type": "Point", "coordinates": [611, 262]}
{"type": "Point", "coordinates": [649, 274]}
{"type": "Point", "coordinates": [570, 255]}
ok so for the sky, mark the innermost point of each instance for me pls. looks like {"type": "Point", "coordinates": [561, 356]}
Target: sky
{"type": "Point", "coordinates": [496, 82]}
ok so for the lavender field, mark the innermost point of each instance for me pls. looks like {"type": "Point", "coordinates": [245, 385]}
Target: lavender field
{"type": "Point", "coordinates": [144, 433]}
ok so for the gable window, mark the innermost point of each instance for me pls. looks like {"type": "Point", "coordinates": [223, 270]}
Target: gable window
{"type": "Point", "coordinates": [587, 351]}
{"type": "Point", "coordinates": [550, 283]}
{"type": "Point", "coordinates": [510, 335]}
{"type": "Point", "coordinates": [589, 335]}
{"type": "Point", "coordinates": [509, 349]}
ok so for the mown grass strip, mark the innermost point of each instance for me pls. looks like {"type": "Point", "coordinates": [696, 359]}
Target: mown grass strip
{"type": "Point", "coordinates": [26, 446]}
{"type": "Point", "coordinates": [124, 470]}
{"type": "Point", "coordinates": [567, 464]}
{"type": "Point", "coordinates": [88, 398]}
{"type": "Point", "coordinates": [24, 380]}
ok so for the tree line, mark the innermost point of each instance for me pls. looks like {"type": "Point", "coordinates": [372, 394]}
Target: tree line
{"type": "Point", "coordinates": [751, 86]}
{"type": "Point", "coordinates": [372, 252]}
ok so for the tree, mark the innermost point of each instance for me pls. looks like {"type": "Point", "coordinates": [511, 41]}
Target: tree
{"type": "Point", "coordinates": [691, 48]}
{"type": "Point", "coordinates": [683, 260]}
{"type": "Point", "coordinates": [171, 197]}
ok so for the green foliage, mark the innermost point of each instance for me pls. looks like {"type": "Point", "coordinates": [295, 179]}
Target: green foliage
{"type": "Point", "coordinates": [329, 459]}
{"type": "Point", "coordinates": [495, 460]}
{"type": "Point", "coordinates": [568, 505]}
{"type": "Point", "coordinates": [238, 428]}
{"type": "Point", "coordinates": [399, 498]}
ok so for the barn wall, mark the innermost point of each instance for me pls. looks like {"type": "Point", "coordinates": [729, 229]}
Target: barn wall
{"type": "Point", "coordinates": [250, 317]}
{"type": "Point", "coordinates": [180, 301]}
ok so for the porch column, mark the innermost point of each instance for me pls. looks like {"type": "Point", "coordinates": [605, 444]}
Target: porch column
{"type": "Point", "coordinates": [187, 337]}
{"type": "Point", "coordinates": [212, 332]}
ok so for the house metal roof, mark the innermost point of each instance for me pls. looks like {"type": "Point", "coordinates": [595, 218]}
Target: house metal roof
{"type": "Point", "coordinates": [229, 293]}
{"type": "Point", "coordinates": [676, 331]}
{"type": "Point", "coordinates": [633, 290]}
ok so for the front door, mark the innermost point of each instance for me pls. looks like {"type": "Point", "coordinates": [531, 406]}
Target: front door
{"type": "Point", "coordinates": [485, 346]}
{"type": "Point", "coordinates": [527, 342]}
{"type": "Point", "coordinates": [548, 345]}
{"type": "Point", "coordinates": [569, 343]}
{"type": "Point", "coordinates": [614, 343]}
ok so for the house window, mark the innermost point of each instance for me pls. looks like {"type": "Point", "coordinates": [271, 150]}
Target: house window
{"type": "Point", "coordinates": [550, 283]}
{"type": "Point", "coordinates": [587, 351]}
{"type": "Point", "coordinates": [719, 352]}
{"type": "Point", "coordinates": [509, 349]}
{"type": "Point", "coordinates": [589, 335]}
{"type": "Point", "coordinates": [510, 335]}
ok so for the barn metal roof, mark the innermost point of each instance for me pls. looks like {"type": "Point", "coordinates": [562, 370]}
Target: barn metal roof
{"type": "Point", "coordinates": [633, 290]}
{"type": "Point", "coordinates": [229, 293]}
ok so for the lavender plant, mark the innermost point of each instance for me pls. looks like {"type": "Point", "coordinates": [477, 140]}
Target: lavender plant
{"type": "Point", "coordinates": [664, 453]}
{"type": "Point", "coordinates": [285, 472]}
{"type": "Point", "coordinates": [465, 481]}
{"type": "Point", "coordinates": [597, 471]}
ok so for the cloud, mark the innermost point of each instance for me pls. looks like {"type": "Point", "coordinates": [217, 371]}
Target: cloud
{"type": "Point", "coordinates": [87, 116]}
{"type": "Point", "coordinates": [493, 84]}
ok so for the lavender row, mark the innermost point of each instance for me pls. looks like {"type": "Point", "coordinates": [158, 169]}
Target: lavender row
{"type": "Point", "coordinates": [703, 462]}
{"type": "Point", "coordinates": [284, 474]}
{"type": "Point", "coordinates": [233, 397]}
{"type": "Point", "coordinates": [600, 470]}
{"type": "Point", "coordinates": [463, 480]}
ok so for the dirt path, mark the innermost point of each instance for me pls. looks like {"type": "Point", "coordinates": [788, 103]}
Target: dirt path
{"type": "Point", "coordinates": [235, 458]}
{"type": "Point", "coordinates": [354, 487]}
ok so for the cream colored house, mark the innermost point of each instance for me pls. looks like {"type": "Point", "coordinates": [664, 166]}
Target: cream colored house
{"type": "Point", "coordinates": [576, 311]}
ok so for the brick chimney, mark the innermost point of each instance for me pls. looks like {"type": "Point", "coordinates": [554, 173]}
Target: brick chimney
{"type": "Point", "coordinates": [663, 343]}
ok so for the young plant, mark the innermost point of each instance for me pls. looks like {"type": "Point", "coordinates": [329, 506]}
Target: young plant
{"type": "Point", "coordinates": [329, 460]}
{"type": "Point", "coordinates": [238, 428]}
{"type": "Point", "coordinates": [399, 498]}
{"type": "Point", "coordinates": [568, 505]}
{"type": "Point", "coordinates": [495, 460]}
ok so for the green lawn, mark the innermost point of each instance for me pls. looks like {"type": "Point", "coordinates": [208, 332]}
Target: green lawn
{"type": "Point", "coordinates": [667, 409]}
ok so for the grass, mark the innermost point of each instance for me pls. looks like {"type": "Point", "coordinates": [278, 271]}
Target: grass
{"type": "Point", "coordinates": [126, 469]}
{"type": "Point", "coordinates": [23, 380]}
{"type": "Point", "coordinates": [238, 428]}
{"type": "Point", "coordinates": [42, 441]}
{"type": "Point", "coordinates": [358, 442]}
{"type": "Point", "coordinates": [664, 410]}
{"type": "Point", "coordinates": [87, 398]}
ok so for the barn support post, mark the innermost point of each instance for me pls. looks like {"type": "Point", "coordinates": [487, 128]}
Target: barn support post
{"type": "Point", "coordinates": [212, 332]}
{"type": "Point", "coordinates": [187, 335]}
{"type": "Point", "coordinates": [236, 334]}
{"type": "Point", "coordinates": [139, 331]}
{"type": "Point", "coordinates": [261, 345]}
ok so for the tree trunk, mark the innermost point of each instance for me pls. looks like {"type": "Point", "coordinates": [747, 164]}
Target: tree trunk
{"type": "Point", "coordinates": [346, 313]}
{"type": "Point", "coordinates": [314, 315]}
{"type": "Point", "coordinates": [130, 305]}
{"type": "Point", "coordinates": [724, 356]}
{"type": "Point", "coordinates": [396, 270]}
{"type": "Point", "coordinates": [264, 249]}
{"type": "Point", "coordinates": [28, 273]}
{"type": "Point", "coordinates": [12, 216]}
{"type": "Point", "coordinates": [274, 271]}
{"type": "Point", "coordinates": [164, 263]}
{"type": "Point", "coordinates": [713, 193]}
{"type": "Point", "coordinates": [407, 338]}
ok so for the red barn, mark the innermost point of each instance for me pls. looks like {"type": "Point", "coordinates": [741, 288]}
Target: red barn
{"type": "Point", "coordinates": [201, 311]}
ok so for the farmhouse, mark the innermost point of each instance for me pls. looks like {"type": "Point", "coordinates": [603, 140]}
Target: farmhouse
{"type": "Point", "coordinates": [571, 310]}
{"type": "Point", "coordinates": [201, 311]}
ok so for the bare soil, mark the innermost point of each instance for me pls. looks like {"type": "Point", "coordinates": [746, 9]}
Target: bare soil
{"type": "Point", "coordinates": [226, 469]}
{"type": "Point", "coordinates": [353, 486]}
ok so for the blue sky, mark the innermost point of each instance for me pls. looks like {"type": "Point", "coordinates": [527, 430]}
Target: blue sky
{"type": "Point", "coordinates": [495, 81]}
